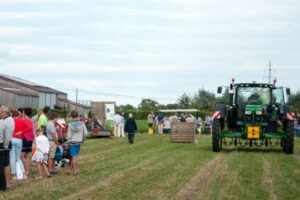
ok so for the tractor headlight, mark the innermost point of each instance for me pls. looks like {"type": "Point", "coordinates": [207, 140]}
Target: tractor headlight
{"type": "Point", "coordinates": [258, 112]}
{"type": "Point", "coordinates": [248, 112]}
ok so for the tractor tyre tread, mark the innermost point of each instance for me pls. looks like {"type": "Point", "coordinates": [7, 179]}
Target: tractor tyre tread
{"type": "Point", "coordinates": [215, 136]}
{"type": "Point", "coordinates": [289, 142]}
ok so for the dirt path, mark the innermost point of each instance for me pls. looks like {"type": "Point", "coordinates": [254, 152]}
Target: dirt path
{"type": "Point", "coordinates": [194, 187]}
{"type": "Point", "coordinates": [268, 180]}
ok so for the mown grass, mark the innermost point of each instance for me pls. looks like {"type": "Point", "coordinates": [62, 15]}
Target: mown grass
{"type": "Point", "coordinates": [142, 125]}
{"type": "Point", "coordinates": [154, 168]}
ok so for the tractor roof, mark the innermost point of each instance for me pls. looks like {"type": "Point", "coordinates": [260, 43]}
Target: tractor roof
{"type": "Point", "coordinates": [263, 85]}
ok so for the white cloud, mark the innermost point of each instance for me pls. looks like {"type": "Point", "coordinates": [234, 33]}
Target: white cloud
{"type": "Point", "coordinates": [25, 49]}
{"type": "Point", "coordinates": [66, 67]}
{"type": "Point", "coordinates": [9, 2]}
{"type": "Point", "coordinates": [18, 31]}
{"type": "Point", "coordinates": [119, 42]}
{"type": "Point", "coordinates": [128, 47]}
{"type": "Point", "coordinates": [203, 10]}
{"type": "Point", "coordinates": [36, 15]}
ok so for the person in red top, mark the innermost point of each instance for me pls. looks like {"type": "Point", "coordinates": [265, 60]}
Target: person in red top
{"type": "Point", "coordinates": [21, 127]}
{"type": "Point", "coordinates": [27, 141]}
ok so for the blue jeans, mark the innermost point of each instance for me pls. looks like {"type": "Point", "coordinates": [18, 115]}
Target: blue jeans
{"type": "Point", "coordinates": [15, 154]}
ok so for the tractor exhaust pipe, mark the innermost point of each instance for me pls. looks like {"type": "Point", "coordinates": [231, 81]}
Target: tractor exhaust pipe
{"type": "Point", "coordinates": [231, 92]}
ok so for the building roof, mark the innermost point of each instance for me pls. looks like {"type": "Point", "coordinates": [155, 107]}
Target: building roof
{"type": "Point", "coordinates": [15, 90]}
{"type": "Point", "coordinates": [47, 90]}
{"type": "Point", "coordinates": [32, 85]}
{"type": "Point", "coordinates": [74, 103]}
{"type": "Point", "coordinates": [19, 80]}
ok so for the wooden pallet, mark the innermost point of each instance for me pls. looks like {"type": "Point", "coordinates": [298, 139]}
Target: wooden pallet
{"type": "Point", "coordinates": [182, 132]}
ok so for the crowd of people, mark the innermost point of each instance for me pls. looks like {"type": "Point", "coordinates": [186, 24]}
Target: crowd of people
{"type": "Point", "coordinates": [160, 121]}
{"type": "Point", "coordinates": [156, 123]}
{"type": "Point", "coordinates": [42, 137]}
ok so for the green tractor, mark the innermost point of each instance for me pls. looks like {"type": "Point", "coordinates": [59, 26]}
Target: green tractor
{"type": "Point", "coordinates": [257, 116]}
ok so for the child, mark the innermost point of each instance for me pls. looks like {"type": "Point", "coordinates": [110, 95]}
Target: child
{"type": "Point", "coordinates": [40, 152]}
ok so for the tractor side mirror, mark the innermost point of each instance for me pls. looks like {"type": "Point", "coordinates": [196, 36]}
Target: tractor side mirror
{"type": "Point", "coordinates": [219, 90]}
{"type": "Point", "coordinates": [288, 91]}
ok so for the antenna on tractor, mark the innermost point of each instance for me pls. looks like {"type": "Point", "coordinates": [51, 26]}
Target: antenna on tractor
{"type": "Point", "coordinates": [270, 70]}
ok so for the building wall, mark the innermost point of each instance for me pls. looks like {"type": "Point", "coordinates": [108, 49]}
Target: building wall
{"type": "Point", "coordinates": [8, 99]}
{"type": "Point", "coordinates": [12, 100]}
{"type": "Point", "coordinates": [62, 96]}
{"type": "Point", "coordinates": [27, 101]}
{"type": "Point", "coordinates": [47, 99]}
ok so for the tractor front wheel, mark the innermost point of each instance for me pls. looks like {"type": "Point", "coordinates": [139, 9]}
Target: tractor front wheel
{"type": "Point", "coordinates": [289, 141]}
{"type": "Point", "coordinates": [216, 140]}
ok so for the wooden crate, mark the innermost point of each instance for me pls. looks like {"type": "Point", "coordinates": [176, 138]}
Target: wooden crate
{"type": "Point", "coordinates": [182, 132]}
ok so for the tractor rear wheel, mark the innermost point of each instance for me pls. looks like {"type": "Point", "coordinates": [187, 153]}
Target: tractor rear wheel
{"type": "Point", "coordinates": [289, 141]}
{"type": "Point", "coordinates": [216, 140]}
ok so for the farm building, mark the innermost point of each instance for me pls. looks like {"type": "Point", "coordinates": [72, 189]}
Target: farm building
{"type": "Point", "coordinates": [47, 96]}
{"type": "Point", "coordinates": [17, 92]}
{"type": "Point", "coordinates": [82, 109]}
{"type": "Point", "coordinates": [16, 98]}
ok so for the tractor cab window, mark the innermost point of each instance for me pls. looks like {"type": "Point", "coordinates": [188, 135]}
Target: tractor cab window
{"type": "Point", "coordinates": [253, 96]}
{"type": "Point", "coordinates": [278, 96]}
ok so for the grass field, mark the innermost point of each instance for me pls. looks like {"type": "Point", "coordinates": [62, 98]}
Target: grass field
{"type": "Point", "coordinates": [153, 168]}
{"type": "Point", "coordinates": [142, 125]}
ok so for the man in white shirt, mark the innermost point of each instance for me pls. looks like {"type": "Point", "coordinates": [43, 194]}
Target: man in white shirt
{"type": "Point", "coordinates": [122, 125]}
{"type": "Point", "coordinates": [117, 124]}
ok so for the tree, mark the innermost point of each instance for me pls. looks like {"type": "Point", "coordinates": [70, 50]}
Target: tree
{"type": "Point", "coordinates": [294, 102]}
{"type": "Point", "coordinates": [125, 107]}
{"type": "Point", "coordinates": [204, 100]}
{"type": "Point", "coordinates": [169, 106]}
{"type": "Point", "coordinates": [225, 98]}
{"type": "Point", "coordinates": [148, 105]}
{"type": "Point", "coordinates": [184, 101]}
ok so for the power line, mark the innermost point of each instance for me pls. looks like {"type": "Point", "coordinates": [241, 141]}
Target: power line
{"type": "Point", "coordinates": [117, 95]}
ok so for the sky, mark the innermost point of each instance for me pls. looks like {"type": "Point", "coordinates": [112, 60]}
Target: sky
{"type": "Point", "coordinates": [126, 50]}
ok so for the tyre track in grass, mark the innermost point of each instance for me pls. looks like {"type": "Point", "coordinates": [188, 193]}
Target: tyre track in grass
{"type": "Point", "coordinates": [195, 185]}
{"type": "Point", "coordinates": [111, 149]}
{"type": "Point", "coordinates": [154, 161]}
{"type": "Point", "coordinates": [107, 143]}
{"type": "Point", "coordinates": [268, 181]}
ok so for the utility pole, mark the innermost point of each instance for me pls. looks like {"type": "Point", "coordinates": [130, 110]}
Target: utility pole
{"type": "Point", "coordinates": [76, 95]}
{"type": "Point", "coordinates": [76, 99]}
{"type": "Point", "coordinates": [270, 70]}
